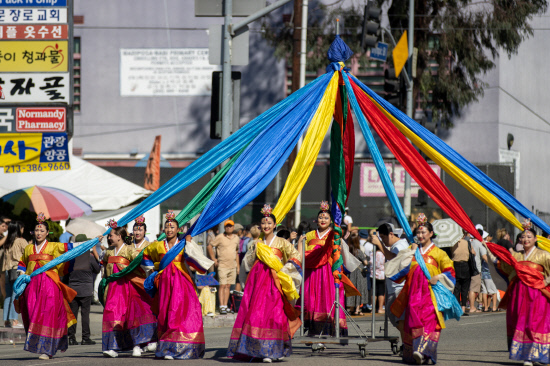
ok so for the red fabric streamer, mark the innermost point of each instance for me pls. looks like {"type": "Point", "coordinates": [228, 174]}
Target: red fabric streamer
{"type": "Point", "coordinates": [349, 150]}
{"type": "Point", "coordinates": [413, 163]}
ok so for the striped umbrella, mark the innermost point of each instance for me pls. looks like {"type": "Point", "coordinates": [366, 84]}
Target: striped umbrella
{"type": "Point", "coordinates": [56, 204]}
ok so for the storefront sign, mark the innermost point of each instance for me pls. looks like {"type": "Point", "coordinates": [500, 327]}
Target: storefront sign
{"type": "Point", "coordinates": [29, 152]}
{"type": "Point", "coordinates": [165, 72]}
{"type": "Point", "coordinates": [26, 16]}
{"type": "Point", "coordinates": [371, 185]}
{"type": "Point", "coordinates": [34, 31]}
{"type": "Point", "coordinates": [33, 3]}
{"type": "Point", "coordinates": [34, 56]}
{"type": "Point", "coordinates": [40, 119]}
{"type": "Point", "coordinates": [35, 88]}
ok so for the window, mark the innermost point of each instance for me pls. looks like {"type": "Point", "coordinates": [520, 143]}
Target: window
{"type": "Point", "coordinates": [76, 75]}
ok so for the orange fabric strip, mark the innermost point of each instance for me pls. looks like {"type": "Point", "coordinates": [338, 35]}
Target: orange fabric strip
{"type": "Point", "coordinates": [40, 257]}
{"type": "Point", "coordinates": [120, 260]}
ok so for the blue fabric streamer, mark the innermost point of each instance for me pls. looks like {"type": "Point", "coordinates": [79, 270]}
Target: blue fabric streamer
{"type": "Point", "coordinates": [378, 161]}
{"type": "Point", "coordinates": [446, 301]}
{"type": "Point", "coordinates": [203, 165]}
{"type": "Point", "coordinates": [450, 154]}
{"type": "Point", "coordinates": [254, 169]}
{"type": "Point", "coordinates": [339, 50]}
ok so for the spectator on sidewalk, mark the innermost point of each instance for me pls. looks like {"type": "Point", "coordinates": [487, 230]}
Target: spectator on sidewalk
{"type": "Point", "coordinates": [503, 239]}
{"type": "Point", "coordinates": [14, 247]}
{"type": "Point", "coordinates": [460, 255]}
{"type": "Point", "coordinates": [81, 279]}
{"type": "Point", "coordinates": [226, 260]}
{"type": "Point", "coordinates": [475, 282]}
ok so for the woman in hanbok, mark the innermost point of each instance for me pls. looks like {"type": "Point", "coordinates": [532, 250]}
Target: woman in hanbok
{"type": "Point", "coordinates": [527, 302]}
{"type": "Point", "coordinates": [320, 291]}
{"type": "Point", "coordinates": [128, 321]}
{"type": "Point", "coordinates": [139, 230]}
{"type": "Point", "coordinates": [267, 320]}
{"type": "Point", "coordinates": [176, 303]}
{"type": "Point", "coordinates": [423, 321]}
{"type": "Point", "coordinates": [44, 305]}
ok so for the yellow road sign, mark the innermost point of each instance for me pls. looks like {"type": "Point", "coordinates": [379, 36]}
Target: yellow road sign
{"type": "Point", "coordinates": [400, 54]}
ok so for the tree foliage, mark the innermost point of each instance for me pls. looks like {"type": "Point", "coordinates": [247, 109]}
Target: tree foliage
{"type": "Point", "coordinates": [458, 42]}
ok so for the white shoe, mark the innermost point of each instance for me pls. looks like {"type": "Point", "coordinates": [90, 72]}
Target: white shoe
{"type": "Point", "coordinates": [527, 363]}
{"type": "Point", "coordinates": [44, 357]}
{"type": "Point", "coordinates": [280, 358]}
{"type": "Point", "coordinates": [110, 353]}
{"type": "Point", "coordinates": [168, 357]}
{"type": "Point", "coordinates": [267, 360]}
{"type": "Point", "coordinates": [151, 347]}
{"type": "Point", "coordinates": [210, 314]}
{"type": "Point", "coordinates": [418, 358]}
{"type": "Point", "coordinates": [136, 352]}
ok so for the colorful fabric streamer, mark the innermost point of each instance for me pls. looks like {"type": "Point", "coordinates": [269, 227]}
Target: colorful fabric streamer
{"type": "Point", "coordinates": [305, 160]}
{"type": "Point", "coordinates": [250, 175]}
{"type": "Point", "coordinates": [414, 164]}
{"type": "Point", "coordinates": [456, 159]}
{"type": "Point", "coordinates": [378, 161]}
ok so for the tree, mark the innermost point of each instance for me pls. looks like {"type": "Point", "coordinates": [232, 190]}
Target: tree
{"type": "Point", "coordinates": [457, 40]}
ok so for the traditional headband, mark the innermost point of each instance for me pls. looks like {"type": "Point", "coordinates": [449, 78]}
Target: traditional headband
{"type": "Point", "coordinates": [112, 224]}
{"type": "Point", "coordinates": [170, 215]}
{"type": "Point", "coordinates": [527, 224]}
{"type": "Point", "coordinates": [140, 221]}
{"type": "Point", "coordinates": [266, 210]}
{"type": "Point", "coordinates": [325, 206]}
{"type": "Point", "coordinates": [421, 219]}
{"type": "Point", "coordinates": [40, 218]}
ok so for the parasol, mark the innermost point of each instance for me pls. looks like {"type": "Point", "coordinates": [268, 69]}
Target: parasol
{"type": "Point", "coordinates": [86, 227]}
{"type": "Point", "coordinates": [448, 232]}
{"type": "Point", "coordinates": [56, 204]}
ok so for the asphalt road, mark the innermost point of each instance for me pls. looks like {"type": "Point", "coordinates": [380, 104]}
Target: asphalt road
{"type": "Point", "coordinates": [474, 340]}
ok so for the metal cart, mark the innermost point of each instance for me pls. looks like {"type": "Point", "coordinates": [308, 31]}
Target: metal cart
{"type": "Point", "coordinates": [319, 343]}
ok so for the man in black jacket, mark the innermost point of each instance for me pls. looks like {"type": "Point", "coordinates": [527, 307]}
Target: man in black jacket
{"type": "Point", "coordinates": [81, 279]}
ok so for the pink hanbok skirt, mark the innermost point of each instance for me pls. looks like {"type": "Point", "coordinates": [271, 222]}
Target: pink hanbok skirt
{"type": "Point", "coordinates": [44, 316]}
{"type": "Point", "coordinates": [262, 329]}
{"type": "Point", "coordinates": [528, 324]}
{"type": "Point", "coordinates": [128, 320]}
{"type": "Point", "coordinates": [180, 329]}
{"type": "Point", "coordinates": [319, 300]}
{"type": "Point", "coordinates": [422, 329]}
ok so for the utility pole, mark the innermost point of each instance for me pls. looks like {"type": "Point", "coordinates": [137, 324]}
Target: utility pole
{"type": "Point", "coordinates": [227, 114]}
{"type": "Point", "coordinates": [407, 194]}
{"type": "Point", "coordinates": [296, 81]}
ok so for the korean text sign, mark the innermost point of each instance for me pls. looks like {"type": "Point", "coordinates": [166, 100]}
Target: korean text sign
{"type": "Point", "coordinates": [33, 148]}
{"type": "Point", "coordinates": [34, 56]}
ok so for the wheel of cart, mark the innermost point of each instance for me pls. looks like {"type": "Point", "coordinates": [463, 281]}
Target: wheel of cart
{"type": "Point", "coordinates": [394, 347]}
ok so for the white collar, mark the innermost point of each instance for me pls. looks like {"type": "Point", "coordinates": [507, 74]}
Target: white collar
{"type": "Point", "coordinates": [116, 253]}
{"type": "Point", "coordinates": [271, 241]}
{"type": "Point", "coordinates": [41, 246]}
{"type": "Point", "coordinates": [137, 246]}
{"type": "Point", "coordinates": [428, 248]}
{"type": "Point", "coordinates": [530, 252]}
{"type": "Point", "coordinates": [322, 236]}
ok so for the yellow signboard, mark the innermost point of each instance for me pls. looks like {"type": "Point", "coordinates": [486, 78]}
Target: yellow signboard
{"type": "Point", "coordinates": [34, 56]}
{"type": "Point", "coordinates": [400, 54]}
{"type": "Point", "coordinates": [32, 152]}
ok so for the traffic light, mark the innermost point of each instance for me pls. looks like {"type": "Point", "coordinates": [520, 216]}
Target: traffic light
{"type": "Point", "coordinates": [394, 88]}
{"type": "Point", "coordinates": [371, 26]}
{"type": "Point", "coordinates": [216, 103]}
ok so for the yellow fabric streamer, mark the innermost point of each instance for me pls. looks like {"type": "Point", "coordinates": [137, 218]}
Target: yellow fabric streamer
{"type": "Point", "coordinates": [301, 169]}
{"type": "Point", "coordinates": [265, 254]}
{"type": "Point", "coordinates": [466, 181]}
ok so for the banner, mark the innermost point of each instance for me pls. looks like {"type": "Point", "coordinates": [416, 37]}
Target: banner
{"type": "Point", "coordinates": [152, 171]}
{"type": "Point", "coordinates": [35, 87]}
{"type": "Point", "coordinates": [34, 152]}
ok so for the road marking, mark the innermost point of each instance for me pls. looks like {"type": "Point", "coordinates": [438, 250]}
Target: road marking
{"type": "Point", "coordinates": [488, 321]}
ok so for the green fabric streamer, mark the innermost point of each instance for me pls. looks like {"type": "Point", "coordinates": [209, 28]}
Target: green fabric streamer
{"type": "Point", "coordinates": [337, 162]}
{"type": "Point", "coordinates": [338, 263]}
{"type": "Point", "coordinates": [115, 276]}
{"type": "Point", "coordinates": [194, 207]}
{"type": "Point", "coordinates": [197, 204]}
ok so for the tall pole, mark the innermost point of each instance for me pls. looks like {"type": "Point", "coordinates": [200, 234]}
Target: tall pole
{"type": "Point", "coordinates": [227, 88]}
{"type": "Point", "coordinates": [407, 195]}
{"type": "Point", "coordinates": [303, 51]}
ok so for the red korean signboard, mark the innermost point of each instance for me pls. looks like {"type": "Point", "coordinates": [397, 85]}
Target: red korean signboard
{"type": "Point", "coordinates": [41, 119]}
{"type": "Point", "coordinates": [34, 32]}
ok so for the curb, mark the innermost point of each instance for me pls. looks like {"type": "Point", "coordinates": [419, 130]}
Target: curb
{"type": "Point", "coordinates": [12, 335]}
{"type": "Point", "coordinates": [219, 321]}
